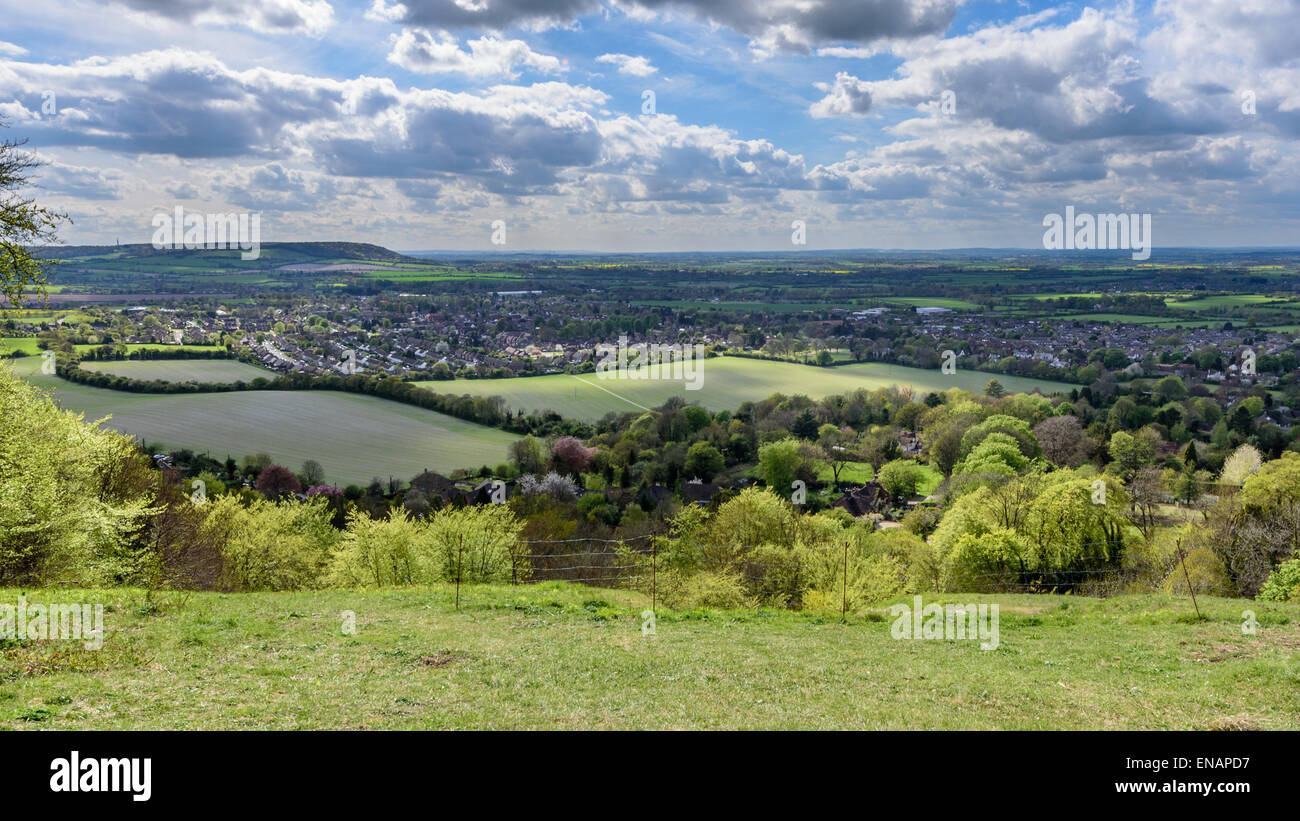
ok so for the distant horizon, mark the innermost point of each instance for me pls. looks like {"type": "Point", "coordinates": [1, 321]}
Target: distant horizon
{"type": "Point", "coordinates": [726, 252]}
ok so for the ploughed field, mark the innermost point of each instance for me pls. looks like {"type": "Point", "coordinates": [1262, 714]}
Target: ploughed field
{"type": "Point", "coordinates": [354, 437]}
{"type": "Point", "coordinates": [181, 370]}
{"type": "Point", "coordinates": [725, 383]}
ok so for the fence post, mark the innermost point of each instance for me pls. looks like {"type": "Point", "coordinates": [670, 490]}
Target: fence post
{"type": "Point", "coordinates": [844, 587]}
{"type": "Point", "coordinates": [460, 549]}
{"type": "Point", "coordinates": [514, 564]}
{"type": "Point", "coordinates": [654, 572]}
{"type": "Point", "coordinates": [1188, 577]}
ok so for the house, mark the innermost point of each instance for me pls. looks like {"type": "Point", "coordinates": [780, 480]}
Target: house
{"type": "Point", "coordinates": [654, 495]}
{"type": "Point", "coordinates": [870, 498]}
{"type": "Point", "coordinates": [699, 493]}
{"type": "Point", "coordinates": [434, 484]}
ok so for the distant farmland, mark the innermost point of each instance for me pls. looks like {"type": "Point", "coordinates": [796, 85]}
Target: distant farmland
{"type": "Point", "coordinates": [182, 370]}
{"type": "Point", "coordinates": [354, 437]}
{"type": "Point", "coordinates": [727, 382]}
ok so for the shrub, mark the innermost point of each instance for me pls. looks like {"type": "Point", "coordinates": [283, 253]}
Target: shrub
{"type": "Point", "coordinates": [380, 552]}
{"type": "Point", "coordinates": [719, 589]}
{"type": "Point", "coordinates": [871, 579]}
{"type": "Point", "coordinates": [73, 497]}
{"type": "Point", "coordinates": [1207, 571]}
{"type": "Point", "coordinates": [901, 478]}
{"type": "Point", "coordinates": [1283, 584]}
{"type": "Point", "coordinates": [272, 546]}
{"type": "Point", "coordinates": [479, 543]}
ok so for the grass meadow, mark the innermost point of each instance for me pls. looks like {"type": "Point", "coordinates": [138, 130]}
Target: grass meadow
{"type": "Point", "coordinates": [727, 382]}
{"type": "Point", "coordinates": [561, 656]}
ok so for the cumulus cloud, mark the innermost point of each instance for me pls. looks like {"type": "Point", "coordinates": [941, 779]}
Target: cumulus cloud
{"type": "Point", "coordinates": [774, 26]}
{"type": "Point", "coordinates": [1107, 107]}
{"type": "Point", "coordinates": [848, 97]}
{"type": "Point", "coordinates": [312, 17]}
{"type": "Point", "coordinates": [79, 182]}
{"type": "Point", "coordinates": [1075, 81]}
{"type": "Point", "coordinates": [422, 51]}
{"type": "Point", "coordinates": [627, 64]}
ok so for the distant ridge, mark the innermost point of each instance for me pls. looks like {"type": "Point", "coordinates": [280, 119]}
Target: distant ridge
{"type": "Point", "coordinates": [361, 251]}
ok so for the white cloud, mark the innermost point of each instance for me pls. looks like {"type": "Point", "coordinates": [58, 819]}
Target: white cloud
{"type": "Point", "coordinates": [311, 17]}
{"type": "Point", "coordinates": [774, 26]}
{"type": "Point", "coordinates": [626, 64]}
{"type": "Point", "coordinates": [489, 56]}
{"type": "Point", "coordinates": [848, 97]}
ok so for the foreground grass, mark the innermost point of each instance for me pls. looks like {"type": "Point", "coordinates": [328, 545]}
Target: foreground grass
{"type": "Point", "coordinates": [563, 656]}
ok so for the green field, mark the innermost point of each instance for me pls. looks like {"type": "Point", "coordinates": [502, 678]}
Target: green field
{"type": "Point", "coordinates": [931, 302]}
{"type": "Point", "coordinates": [182, 370]}
{"type": "Point", "coordinates": [727, 382]}
{"type": "Point", "coordinates": [153, 346]}
{"type": "Point", "coordinates": [561, 656]}
{"type": "Point", "coordinates": [1222, 301]}
{"type": "Point", "coordinates": [25, 344]}
{"type": "Point", "coordinates": [354, 437]}
{"type": "Point", "coordinates": [1139, 319]}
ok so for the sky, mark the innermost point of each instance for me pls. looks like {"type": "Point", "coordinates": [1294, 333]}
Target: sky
{"type": "Point", "coordinates": [661, 125]}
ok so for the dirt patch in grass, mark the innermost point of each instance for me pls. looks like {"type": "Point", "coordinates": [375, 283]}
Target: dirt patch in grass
{"type": "Point", "coordinates": [1238, 722]}
{"type": "Point", "coordinates": [37, 658]}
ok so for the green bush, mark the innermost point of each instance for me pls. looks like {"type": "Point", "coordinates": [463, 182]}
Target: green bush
{"type": "Point", "coordinates": [1207, 571]}
{"type": "Point", "coordinates": [720, 589]}
{"type": "Point", "coordinates": [477, 544]}
{"type": "Point", "coordinates": [270, 545]}
{"type": "Point", "coordinates": [1283, 584]}
{"type": "Point", "coordinates": [380, 552]}
{"type": "Point", "coordinates": [73, 497]}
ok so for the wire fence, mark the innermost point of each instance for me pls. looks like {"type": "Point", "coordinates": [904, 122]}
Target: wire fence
{"type": "Point", "coordinates": [636, 563]}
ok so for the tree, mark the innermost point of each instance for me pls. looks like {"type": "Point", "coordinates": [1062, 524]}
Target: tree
{"type": "Point", "coordinates": [840, 447]}
{"type": "Point", "coordinates": [1017, 429]}
{"type": "Point", "coordinates": [779, 463]}
{"type": "Point", "coordinates": [1238, 467]}
{"type": "Point", "coordinates": [312, 473]}
{"type": "Point", "coordinates": [1260, 526]}
{"type": "Point", "coordinates": [256, 463]}
{"type": "Point", "coordinates": [994, 389]}
{"type": "Point", "coordinates": [1063, 440]}
{"type": "Point", "coordinates": [1171, 389]}
{"type": "Point", "coordinates": [997, 455]}
{"type": "Point", "coordinates": [1147, 490]}
{"type": "Point", "coordinates": [23, 225]}
{"type": "Point", "coordinates": [703, 461]}
{"type": "Point", "coordinates": [527, 455]}
{"type": "Point", "coordinates": [72, 495]}
{"type": "Point", "coordinates": [901, 477]}
{"type": "Point", "coordinates": [275, 481]}
{"type": "Point", "coordinates": [569, 455]}
{"type": "Point", "coordinates": [1128, 453]}
{"type": "Point", "coordinates": [805, 425]}
{"type": "Point", "coordinates": [416, 502]}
